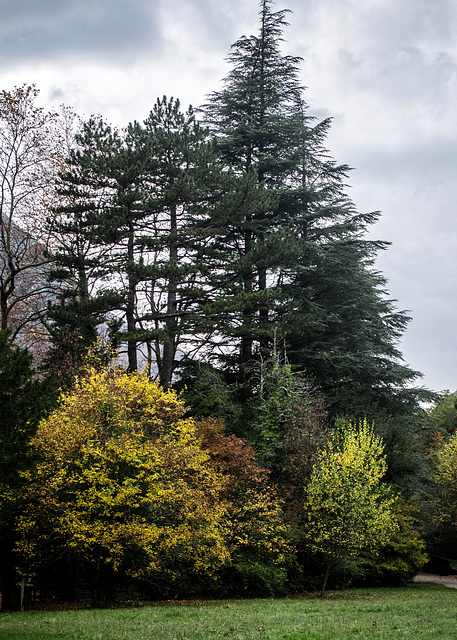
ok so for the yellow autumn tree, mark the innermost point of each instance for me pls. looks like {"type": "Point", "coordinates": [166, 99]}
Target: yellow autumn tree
{"type": "Point", "coordinates": [123, 483]}
{"type": "Point", "coordinates": [349, 509]}
{"type": "Point", "coordinates": [445, 476]}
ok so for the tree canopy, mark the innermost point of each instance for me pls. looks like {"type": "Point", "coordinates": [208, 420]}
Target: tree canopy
{"type": "Point", "coordinates": [124, 486]}
{"type": "Point", "coordinates": [349, 509]}
{"type": "Point", "coordinates": [215, 251]}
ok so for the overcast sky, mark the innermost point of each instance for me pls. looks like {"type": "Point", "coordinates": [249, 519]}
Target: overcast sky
{"type": "Point", "coordinates": [385, 70]}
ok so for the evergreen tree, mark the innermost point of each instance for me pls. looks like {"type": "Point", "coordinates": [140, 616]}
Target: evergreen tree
{"type": "Point", "coordinates": [81, 265]}
{"type": "Point", "coordinates": [305, 269]}
{"type": "Point", "coordinates": [341, 328]}
{"type": "Point", "coordinates": [188, 194]}
{"type": "Point", "coordinates": [102, 213]}
{"type": "Point", "coordinates": [148, 205]}
{"type": "Point", "coordinates": [256, 118]}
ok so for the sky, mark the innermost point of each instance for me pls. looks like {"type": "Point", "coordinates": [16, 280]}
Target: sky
{"type": "Point", "coordinates": [384, 70]}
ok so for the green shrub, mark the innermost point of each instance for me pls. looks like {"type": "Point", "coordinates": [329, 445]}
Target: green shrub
{"type": "Point", "coordinates": [398, 561]}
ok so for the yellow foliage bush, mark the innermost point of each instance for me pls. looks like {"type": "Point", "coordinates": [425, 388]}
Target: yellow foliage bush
{"type": "Point", "coordinates": [445, 475]}
{"type": "Point", "coordinates": [122, 479]}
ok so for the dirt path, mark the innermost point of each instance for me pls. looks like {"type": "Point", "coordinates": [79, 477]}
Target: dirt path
{"type": "Point", "coordinates": [447, 581]}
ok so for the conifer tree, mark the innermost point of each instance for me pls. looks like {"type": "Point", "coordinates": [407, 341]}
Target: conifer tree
{"type": "Point", "coordinates": [186, 191]}
{"type": "Point", "coordinates": [340, 325]}
{"type": "Point", "coordinates": [256, 118]}
{"type": "Point", "coordinates": [81, 264]}
{"type": "Point", "coordinates": [104, 211]}
{"type": "Point", "coordinates": [147, 206]}
{"type": "Point", "coordinates": [305, 268]}
{"type": "Point", "coordinates": [188, 194]}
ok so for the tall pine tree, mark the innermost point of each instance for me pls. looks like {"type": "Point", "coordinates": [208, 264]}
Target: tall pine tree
{"type": "Point", "coordinates": [187, 193]}
{"type": "Point", "coordinates": [304, 269]}
{"type": "Point", "coordinates": [148, 204]}
{"type": "Point", "coordinates": [81, 263]}
{"type": "Point", "coordinates": [256, 118]}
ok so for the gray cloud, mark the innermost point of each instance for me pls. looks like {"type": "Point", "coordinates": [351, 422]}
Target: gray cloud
{"type": "Point", "coordinates": [40, 30]}
{"type": "Point", "coordinates": [424, 159]}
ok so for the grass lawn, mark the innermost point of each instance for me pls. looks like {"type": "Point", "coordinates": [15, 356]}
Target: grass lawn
{"type": "Point", "coordinates": [419, 612]}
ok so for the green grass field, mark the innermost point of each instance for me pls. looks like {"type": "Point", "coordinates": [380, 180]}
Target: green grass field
{"type": "Point", "coordinates": [419, 611]}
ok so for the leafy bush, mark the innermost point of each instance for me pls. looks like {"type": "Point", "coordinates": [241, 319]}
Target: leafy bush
{"type": "Point", "coordinates": [129, 486]}
{"type": "Point", "coordinates": [397, 561]}
{"type": "Point", "coordinates": [258, 539]}
{"type": "Point", "coordinates": [124, 484]}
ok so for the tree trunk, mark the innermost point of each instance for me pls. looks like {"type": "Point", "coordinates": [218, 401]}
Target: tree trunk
{"type": "Point", "coordinates": [4, 311]}
{"type": "Point", "coordinates": [324, 584]}
{"type": "Point", "coordinates": [130, 308]}
{"type": "Point", "coordinates": [246, 339]}
{"type": "Point", "coordinates": [169, 346]}
{"type": "Point", "coordinates": [263, 316]}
